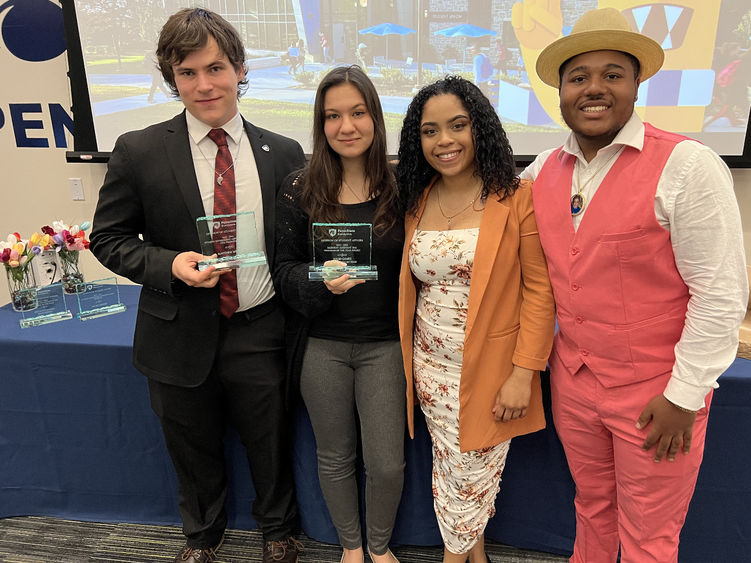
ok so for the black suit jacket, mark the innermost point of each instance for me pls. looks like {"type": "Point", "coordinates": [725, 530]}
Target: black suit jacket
{"type": "Point", "coordinates": [146, 215]}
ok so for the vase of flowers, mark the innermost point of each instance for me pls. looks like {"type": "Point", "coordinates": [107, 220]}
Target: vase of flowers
{"type": "Point", "coordinates": [16, 255]}
{"type": "Point", "coordinates": [68, 241]}
{"type": "Point", "coordinates": [70, 275]}
{"type": "Point", "coordinates": [20, 283]}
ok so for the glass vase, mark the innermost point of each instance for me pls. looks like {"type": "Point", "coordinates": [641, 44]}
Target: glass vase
{"type": "Point", "coordinates": [71, 278]}
{"type": "Point", "coordinates": [20, 281]}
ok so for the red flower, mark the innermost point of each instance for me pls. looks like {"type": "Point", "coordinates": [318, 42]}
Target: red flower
{"type": "Point", "coordinates": [47, 230]}
{"type": "Point", "coordinates": [463, 271]}
{"type": "Point", "coordinates": [427, 399]}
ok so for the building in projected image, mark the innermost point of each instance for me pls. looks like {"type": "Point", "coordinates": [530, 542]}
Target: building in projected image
{"type": "Point", "coordinates": [702, 89]}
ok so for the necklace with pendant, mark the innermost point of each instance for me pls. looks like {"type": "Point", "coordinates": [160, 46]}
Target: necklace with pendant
{"type": "Point", "coordinates": [358, 198]}
{"type": "Point", "coordinates": [578, 200]}
{"type": "Point", "coordinates": [220, 175]}
{"type": "Point", "coordinates": [462, 210]}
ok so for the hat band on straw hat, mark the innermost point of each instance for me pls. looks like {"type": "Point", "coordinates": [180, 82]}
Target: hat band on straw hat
{"type": "Point", "coordinates": [605, 29]}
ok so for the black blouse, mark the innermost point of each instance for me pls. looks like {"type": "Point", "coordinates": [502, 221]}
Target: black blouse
{"type": "Point", "coordinates": [367, 312]}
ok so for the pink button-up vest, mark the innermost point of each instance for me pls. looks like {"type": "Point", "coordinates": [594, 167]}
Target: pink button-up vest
{"type": "Point", "coordinates": [620, 301]}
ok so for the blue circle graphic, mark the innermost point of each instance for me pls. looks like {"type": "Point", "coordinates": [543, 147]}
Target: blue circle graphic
{"type": "Point", "coordinates": [33, 29]}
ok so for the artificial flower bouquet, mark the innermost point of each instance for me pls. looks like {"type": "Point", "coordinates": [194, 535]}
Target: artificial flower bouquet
{"type": "Point", "coordinates": [16, 255]}
{"type": "Point", "coordinates": [68, 241]}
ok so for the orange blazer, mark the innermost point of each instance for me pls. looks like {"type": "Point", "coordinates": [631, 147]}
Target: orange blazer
{"type": "Point", "coordinates": [510, 321]}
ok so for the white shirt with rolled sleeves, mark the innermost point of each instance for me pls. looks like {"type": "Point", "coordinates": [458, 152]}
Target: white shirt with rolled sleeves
{"type": "Point", "coordinates": [695, 202]}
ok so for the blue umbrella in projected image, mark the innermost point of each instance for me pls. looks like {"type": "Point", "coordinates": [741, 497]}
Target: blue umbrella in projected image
{"type": "Point", "coordinates": [465, 30]}
{"type": "Point", "coordinates": [383, 29]}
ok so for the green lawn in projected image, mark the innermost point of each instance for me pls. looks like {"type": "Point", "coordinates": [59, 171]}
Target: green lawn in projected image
{"type": "Point", "coordinates": [280, 117]}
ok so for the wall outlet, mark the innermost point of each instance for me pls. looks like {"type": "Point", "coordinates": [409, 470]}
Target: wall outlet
{"type": "Point", "coordinates": [76, 188]}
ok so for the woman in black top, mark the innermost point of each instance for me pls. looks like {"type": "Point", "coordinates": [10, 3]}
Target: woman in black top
{"type": "Point", "coordinates": [350, 356]}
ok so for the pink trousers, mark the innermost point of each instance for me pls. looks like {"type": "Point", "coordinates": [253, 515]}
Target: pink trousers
{"type": "Point", "coordinates": [623, 498]}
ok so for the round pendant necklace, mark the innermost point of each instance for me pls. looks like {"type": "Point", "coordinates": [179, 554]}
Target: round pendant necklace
{"type": "Point", "coordinates": [578, 200]}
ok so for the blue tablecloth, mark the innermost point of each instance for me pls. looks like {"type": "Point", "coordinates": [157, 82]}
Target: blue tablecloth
{"type": "Point", "coordinates": [78, 440]}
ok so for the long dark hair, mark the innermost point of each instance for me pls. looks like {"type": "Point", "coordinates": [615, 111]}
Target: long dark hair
{"type": "Point", "coordinates": [322, 177]}
{"type": "Point", "coordinates": [494, 159]}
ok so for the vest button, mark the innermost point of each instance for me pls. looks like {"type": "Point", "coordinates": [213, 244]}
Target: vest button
{"type": "Point", "coordinates": [579, 320]}
{"type": "Point", "coordinates": [584, 352]}
{"type": "Point", "coordinates": [575, 250]}
{"type": "Point", "coordinates": [575, 286]}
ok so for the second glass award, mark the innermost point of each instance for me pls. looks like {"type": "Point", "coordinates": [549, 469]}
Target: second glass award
{"type": "Point", "coordinates": [98, 299]}
{"type": "Point", "coordinates": [351, 243]}
{"type": "Point", "coordinates": [233, 238]}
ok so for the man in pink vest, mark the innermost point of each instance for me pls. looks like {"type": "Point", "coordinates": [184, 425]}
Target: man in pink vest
{"type": "Point", "coordinates": [643, 239]}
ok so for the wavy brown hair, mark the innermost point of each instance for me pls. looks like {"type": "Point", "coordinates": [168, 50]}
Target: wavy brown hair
{"type": "Point", "coordinates": [187, 31]}
{"type": "Point", "coordinates": [322, 177]}
{"type": "Point", "coordinates": [494, 159]}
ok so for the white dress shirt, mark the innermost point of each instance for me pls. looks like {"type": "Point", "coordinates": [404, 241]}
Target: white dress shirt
{"type": "Point", "coordinates": [254, 283]}
{"type": "Point", "coordinates": [695, 202]}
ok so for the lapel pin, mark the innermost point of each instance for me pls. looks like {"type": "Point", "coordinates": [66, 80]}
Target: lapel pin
{"type": "Point", "coordinates": [265, 147]}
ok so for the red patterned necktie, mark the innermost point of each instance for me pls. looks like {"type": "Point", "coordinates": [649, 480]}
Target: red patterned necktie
{"type": "Point", "coordinates": [224, 204]}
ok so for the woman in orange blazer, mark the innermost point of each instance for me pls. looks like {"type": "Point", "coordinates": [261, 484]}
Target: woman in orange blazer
{"type": "Point", "coordinates": [476, 312]}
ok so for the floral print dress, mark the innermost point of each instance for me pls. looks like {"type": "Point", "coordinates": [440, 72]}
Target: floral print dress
{"type": "Point", "coordinates": [464, 484]}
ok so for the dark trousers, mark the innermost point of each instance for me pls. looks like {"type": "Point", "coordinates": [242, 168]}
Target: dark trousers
{"type": "Point", "coordinates": [245, 388]}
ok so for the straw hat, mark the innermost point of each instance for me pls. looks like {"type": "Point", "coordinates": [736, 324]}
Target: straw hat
{"type": "Point", "coordinates": [605, 29]}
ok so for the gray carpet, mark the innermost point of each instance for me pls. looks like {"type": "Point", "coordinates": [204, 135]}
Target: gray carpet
{"type": "Point", "coordinates": [34, 539]}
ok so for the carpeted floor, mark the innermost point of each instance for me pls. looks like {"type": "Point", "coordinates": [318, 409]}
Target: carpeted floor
{"type": "Point", "coordinates": [48, 540]}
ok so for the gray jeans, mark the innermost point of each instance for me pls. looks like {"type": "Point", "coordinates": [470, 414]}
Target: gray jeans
{"type": "Point", "coordinates": [339, 379]}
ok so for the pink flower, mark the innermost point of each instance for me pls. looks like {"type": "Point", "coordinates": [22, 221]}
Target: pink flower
{"type": "Point", "coordinates": [74, 244]}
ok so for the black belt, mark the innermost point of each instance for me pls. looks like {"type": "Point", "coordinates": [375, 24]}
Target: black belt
{"type": "Point", "coordinates": [254, 313]}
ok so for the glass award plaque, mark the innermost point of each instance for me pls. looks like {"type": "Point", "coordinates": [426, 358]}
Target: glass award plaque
{"type": "Point", "coordinates": [351, 243]}
{"type": "Point", "coordinates": [98, 298]}
{"type": "Point", "coordinates": [51, 306]}
{"type": "Point", "coordinates": [233, 238]}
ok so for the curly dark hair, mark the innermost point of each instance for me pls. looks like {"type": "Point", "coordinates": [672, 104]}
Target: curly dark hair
{"type": "Point", "coordinates": [322, 177]}
{"type": "Point", "coordinates": [494, 159]}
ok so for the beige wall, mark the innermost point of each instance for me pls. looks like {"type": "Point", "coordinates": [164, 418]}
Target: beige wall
{"type": "Point", "coordinates": [34, 181]}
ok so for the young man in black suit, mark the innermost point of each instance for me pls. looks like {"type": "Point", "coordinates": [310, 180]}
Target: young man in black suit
{"type": "Point", "coordinates": [210, 342]}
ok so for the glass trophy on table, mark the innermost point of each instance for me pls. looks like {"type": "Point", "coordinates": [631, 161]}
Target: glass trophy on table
{"type": "Point", "coordinates": [50, 308]}
{"type": "Point", "coordinates": [351, 243]}
{"type": "Point", "coordinates": [233, 238]}
{"type": "Point", "coordinates": [98, 298]}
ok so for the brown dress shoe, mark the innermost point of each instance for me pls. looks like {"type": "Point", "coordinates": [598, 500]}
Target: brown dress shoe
{"type": "Point", "coordinates": [198, 555]}
{"type": "Point", "coordinates": [281, 551]}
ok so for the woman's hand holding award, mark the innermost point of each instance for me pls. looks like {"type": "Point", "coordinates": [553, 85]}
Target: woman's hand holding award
{"type": "Point", "coordinates": [347, 243]}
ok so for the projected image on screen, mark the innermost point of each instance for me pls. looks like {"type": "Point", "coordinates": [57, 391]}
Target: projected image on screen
{"type": "Point", "coordinates": [701, 91]}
